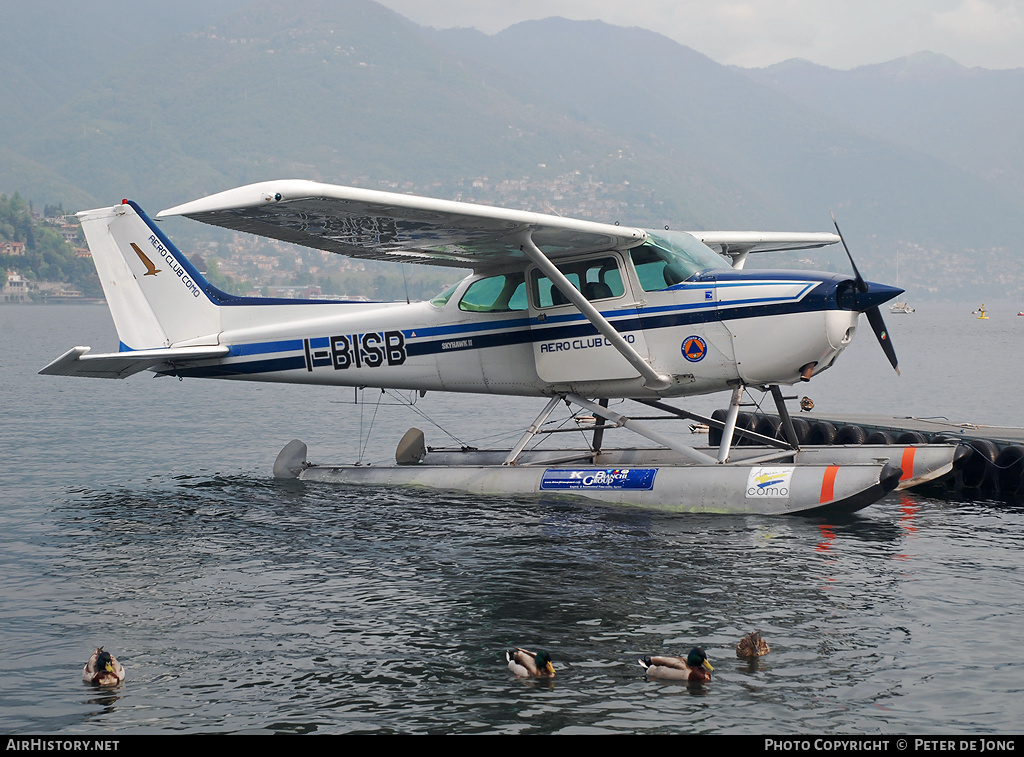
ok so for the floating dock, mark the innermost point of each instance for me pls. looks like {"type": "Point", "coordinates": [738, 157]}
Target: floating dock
{"type": "Point", "coordinates": [995, 464]}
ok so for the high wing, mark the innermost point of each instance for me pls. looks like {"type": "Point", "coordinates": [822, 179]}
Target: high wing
{"type": "Point", "coordinates": [366, 223]}
{"type": "Point", "coordinates": [738, 242]}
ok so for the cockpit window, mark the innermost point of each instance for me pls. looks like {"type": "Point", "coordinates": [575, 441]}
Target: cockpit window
{"type": "Point", "coordinates": [495, 294]}
{"type": "Point", "coordinates": [597, 279]}
{"type": "Point", "coordinates": [670, 257]}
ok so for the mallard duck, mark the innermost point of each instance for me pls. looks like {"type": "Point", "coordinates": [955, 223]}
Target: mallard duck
{"type": "Point", "coordinates": [752, 645]}
{"type": "Point", "coordinates": [103, 669]}
{"type": "Point", "coordinates": [526, 664]}
{"type": "Point", "coordinates": [694, 668]}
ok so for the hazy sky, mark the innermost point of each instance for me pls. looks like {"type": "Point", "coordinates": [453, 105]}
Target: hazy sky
{"type": "Point", "coordinates": [754, 33]}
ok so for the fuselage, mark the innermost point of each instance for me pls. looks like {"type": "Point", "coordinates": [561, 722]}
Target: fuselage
{"type": "Point", "coordinates": [507, 333]}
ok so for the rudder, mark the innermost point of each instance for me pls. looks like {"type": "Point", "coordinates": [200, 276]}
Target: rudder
{"type": "Point", "coordinates": [156, 297]}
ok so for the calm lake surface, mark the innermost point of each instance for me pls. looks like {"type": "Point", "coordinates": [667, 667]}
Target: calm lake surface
{"type": "Point", "coordinates": [141, 515]}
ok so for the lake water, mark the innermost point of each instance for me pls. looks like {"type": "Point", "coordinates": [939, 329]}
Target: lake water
{"type": "Point", "coordinates": [142, 515]}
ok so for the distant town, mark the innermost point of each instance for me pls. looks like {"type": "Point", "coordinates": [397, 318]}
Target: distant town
{"type": "Point", "coordinates": [37, 248]}
{"type": "Point", "coordinates": [46, 260]}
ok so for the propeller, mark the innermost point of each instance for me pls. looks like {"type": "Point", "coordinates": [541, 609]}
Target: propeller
{"type": "Point", "coordinates": [872, 312]}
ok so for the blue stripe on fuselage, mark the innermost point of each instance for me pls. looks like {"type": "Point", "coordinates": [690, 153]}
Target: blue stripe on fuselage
{"type": "Point", "coordinates": [815, 296]}
{"type": "Point", "coordinates": [248, 368]}
{"type": "Point", "coordinates": [263, 348]}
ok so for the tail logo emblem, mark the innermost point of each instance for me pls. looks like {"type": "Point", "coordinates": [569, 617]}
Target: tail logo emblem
{"type": "Point", "coordinates": [151, 270]}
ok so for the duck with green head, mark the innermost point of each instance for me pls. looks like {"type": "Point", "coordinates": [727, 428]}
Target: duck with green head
{"type": "Point", "coordinates": [526, 664]}
{"type": "Point", "coordinates": [695, 667]}
{"type": "Point", "coordinates": [103, 669]}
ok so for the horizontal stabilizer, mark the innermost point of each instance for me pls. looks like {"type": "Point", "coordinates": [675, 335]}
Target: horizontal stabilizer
{"type": "Point", "coordinates": [76, 361]}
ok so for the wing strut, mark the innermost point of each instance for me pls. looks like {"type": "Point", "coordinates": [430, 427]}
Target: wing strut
{"type": "Point", "coordinates": [652, 379]}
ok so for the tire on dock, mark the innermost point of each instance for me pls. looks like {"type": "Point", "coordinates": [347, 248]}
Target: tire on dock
{"type": "Point", "coordinates": [851, 434]}
{"type": "Point", "coordinates": [976, 471]}
{"type": "Point", "coordinates": [821, 432]}
{"type": "Point", "coordinates": [802, 429]}
{"type": "Point", "coordinates": [879, 437]}
{"type": "Point", "coordinates": [745, 422]}
{"type": "Point", "coordinates": [770, 426]}
{"type": "Point", "coordinates": [1009, 470]}
{"type": "Point", "coordinates": [911, 437]}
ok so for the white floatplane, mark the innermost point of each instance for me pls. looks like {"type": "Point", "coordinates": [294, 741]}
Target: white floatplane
{"type": "Point", "coordinates": [569, 310]}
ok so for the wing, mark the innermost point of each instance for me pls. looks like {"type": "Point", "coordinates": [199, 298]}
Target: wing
{"type": "Point", "coordinates": [365, 223]}
{"type": "Point", "coordinates": [76, 361]}
{"type": "Point", "coordinates": [738, 242]}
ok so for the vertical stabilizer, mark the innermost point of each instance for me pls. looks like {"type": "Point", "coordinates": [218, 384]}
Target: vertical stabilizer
{"type": "Point", "coordinates": [156, 297]}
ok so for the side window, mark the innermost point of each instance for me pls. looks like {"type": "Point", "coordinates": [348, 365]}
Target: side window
{"type": "Point", "coordinates": [546, 294]}
{"type": "Point", "coordinates": [495, 294]}
{"type": "Point", "coordinates": [598, 279]}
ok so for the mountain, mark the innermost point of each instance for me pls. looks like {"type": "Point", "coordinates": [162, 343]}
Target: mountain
{"type": "Point", "coordinates": [53, 48]}
{"type": "Point", "coordinates": [769, 158]}
{"type": "Point", "coordinates": [970, 118]}
{"type": "Point", "coordinates": [579, 118]}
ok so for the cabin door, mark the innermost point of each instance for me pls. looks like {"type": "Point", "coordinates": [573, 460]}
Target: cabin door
{"type": "Point", "coordinates": [567, 348]}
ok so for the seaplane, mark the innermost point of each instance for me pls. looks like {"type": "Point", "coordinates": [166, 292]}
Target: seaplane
{"type": "Point", "coordinates": [569, 311]}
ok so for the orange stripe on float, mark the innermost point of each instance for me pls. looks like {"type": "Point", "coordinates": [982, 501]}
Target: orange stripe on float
{"type": "Point", "coordinates": [828, 484]}
{"type": "Point", "coordinates": [907, 463]}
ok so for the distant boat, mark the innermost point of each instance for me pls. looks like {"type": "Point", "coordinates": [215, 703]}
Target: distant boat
{"type": "Point", "coordinates": [900, 307]}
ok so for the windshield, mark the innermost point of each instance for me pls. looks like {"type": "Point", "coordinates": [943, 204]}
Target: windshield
{"type": "Point", "coordinates": [440, 300]}
{"type": "Point", "coordinates": [669, 257]}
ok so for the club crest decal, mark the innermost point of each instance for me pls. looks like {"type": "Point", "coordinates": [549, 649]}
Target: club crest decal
{"type": "Point", "coordinates": [694, 349]}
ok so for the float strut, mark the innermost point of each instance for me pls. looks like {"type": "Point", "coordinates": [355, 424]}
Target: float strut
{"type": "Point", "coordinates": [787, 422]}
{"type": "Point", "coordinates": [599, 431]}
{"type": "Point", "coordinates": [725, 447]}
{"type": "Point", "coordinates": [533, 429]}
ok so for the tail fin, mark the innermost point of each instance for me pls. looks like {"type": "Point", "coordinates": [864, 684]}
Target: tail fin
{"type": "Point", "coordinates": [156, 296]}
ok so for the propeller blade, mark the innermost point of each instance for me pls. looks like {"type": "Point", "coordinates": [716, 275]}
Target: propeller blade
{"type": "Point", "coordinates": [873, 313]}
{"type": "Point", "coordinates": [861, 284]}
{"type": "Point", "coordinates": [878, 326]}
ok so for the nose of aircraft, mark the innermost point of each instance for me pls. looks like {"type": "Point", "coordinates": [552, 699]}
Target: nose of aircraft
{"type": "Point", "coordinates": [865, 297]}
{"type": "Point", "coordinates": [874, 295]}
{"type": "Point", "coordinates": [851, 296]}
